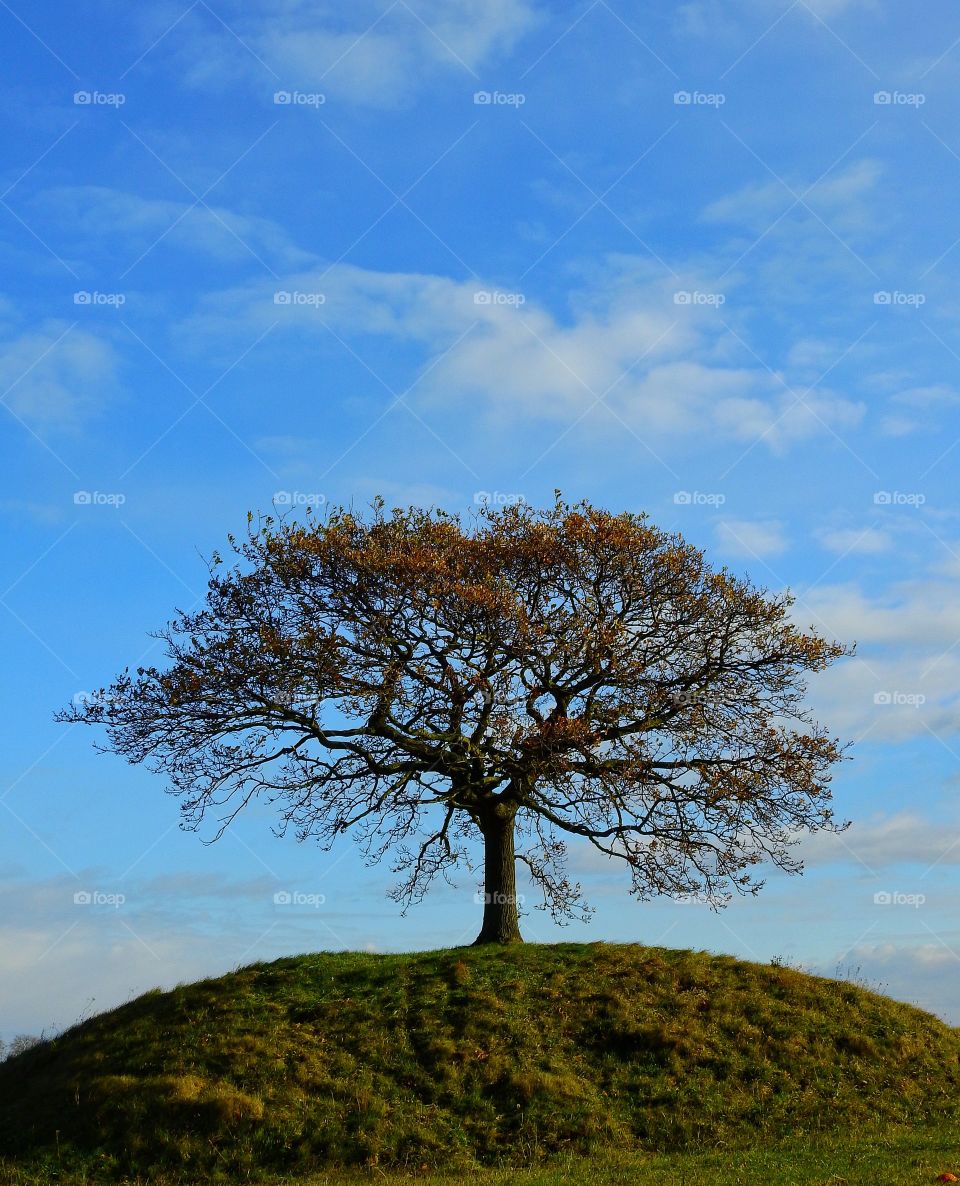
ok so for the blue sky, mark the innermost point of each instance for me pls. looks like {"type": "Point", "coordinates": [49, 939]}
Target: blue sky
{"type": "Point", "coordinates": [699, 260]}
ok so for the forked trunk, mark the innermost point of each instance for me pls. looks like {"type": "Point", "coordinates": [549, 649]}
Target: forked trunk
{"type": "Point", "coordinates": [500, 920]}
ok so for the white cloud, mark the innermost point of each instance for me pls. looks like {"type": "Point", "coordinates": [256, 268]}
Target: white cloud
{"type": "Point", "coordinates": [814, 355]}
{"type": "Point", "coordinates": [880, 699]}
{"type": "Point", "coordinates": [695, 20]}
{"type": "Point", "coordinates": [933, 396]}
{"type": "Point", "coordinates": [191, 885]}
{"type": "Point", "coordinates": [903, 681]}
{"type": "Point", "coordinates": [904, 838]}
{"type": "Point", "coordinates": [56, 376]}
{"type": "Point", "coordinates": [854, 541]}
{"type": "Point", "coordinates": [752, 537]}
{"type": "Point", "coordinates": [708, 18]}
{"type": "Point", "coordinates": [916, 409]}
{"type": "Point", "coordinates": [60, 958]}
{"type": "Point", "coordinates": [898, 426]}
{"type": "Point", "coordinates": [911, 972]}
{"type": "Point", "coordinates": [50, 976]}
{"type": "Point", "coordinates": [916, 613]}
{"type": "Point", "coordinates": [830, 8]}
{"type": "Point", "coordinates": [660, 367]}
{"type": "Point", "coordinates": [787, 418]}
{"type": "Point", "coordinates": [44, 514]}
{"type": "Point", "coordinates": [841, 198]}
{"type": "Point", "coordinates": [95, 212]}
{"type": "Point", "coordinates": [373, 54]}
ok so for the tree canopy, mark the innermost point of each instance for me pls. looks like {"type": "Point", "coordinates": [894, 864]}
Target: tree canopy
{"type": "Point", "coordinates": [537, 675]}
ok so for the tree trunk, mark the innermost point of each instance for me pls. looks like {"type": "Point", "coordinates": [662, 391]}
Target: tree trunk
{"type": "Point", "coordinates": [500, 920]}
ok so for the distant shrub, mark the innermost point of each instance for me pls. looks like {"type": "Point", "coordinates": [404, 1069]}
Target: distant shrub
{"type": "Point", "coordinates": [18, 1045]}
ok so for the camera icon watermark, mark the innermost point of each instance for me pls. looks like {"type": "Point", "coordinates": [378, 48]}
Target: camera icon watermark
{"type": "Point", "coordinates": [896, 898]}
{"type": "Point", "coordinates": [909, 299]}
{"type": "Point", "coordinates": [699, 98]}
{"type": "Point", "coordinates": [299, 98]}
{"type": "Point", "coordinates": [286, 297]}
{"type": "Point", "coordinates": [499, 498]}
{"type": "Point", "coordinates": [910, 699]}
{"type": "Point", "coordinates": [698, 498]}
{"type": "Point", "coordinates": [298, 498]}
{"type": "Point", "coordinates": [899, 98]}
{"type": "Point", "coordinates": [98, 898]}
{"type": "Point", "coordinates": [898, 498]}
{"type": "Point", "coordinates": [97, 498]}
{"type": "Point", "coordinates": [499, 98]}
{"type": "Point", "coordinates": [99, 99]}
{"type": "Point", "coordinates": [686, 297]}
{"type": "Point", "coordinates": [115, 299]}
{"type": "Point", "coordinates": [299, 898]}
{"type": "Point", "coordinates": [488, 296]}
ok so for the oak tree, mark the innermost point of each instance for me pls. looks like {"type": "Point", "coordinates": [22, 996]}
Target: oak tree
{"type": "Point", "coordinates": [528, 677]}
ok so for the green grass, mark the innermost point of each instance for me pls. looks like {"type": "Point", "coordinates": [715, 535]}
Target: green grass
{"type": "Point", "coordinates": [900, 1162]}
{"type": "Point", "coordinates": [620, 1062]}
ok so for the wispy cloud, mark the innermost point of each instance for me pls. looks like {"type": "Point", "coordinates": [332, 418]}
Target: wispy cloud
{"type": "Point", "coordinates": [918, 409]}
{"type": "Point", "coordinates": [915, 972]}
{"type": "Point", "coordinates": [705, 18]}
{"type": "Point", "coordinates": [57, 376]}
{"type": "Point", "coordinates": [645, 352]}
{"type": "Point", "coordinates": [903, 838]}
{"type": "Point", "coordinates": [375, 54]}
{"type": "Point", "coordinates": [757, 538]}
{"type": "Point", "coordinates": [903, 682]}
{"type": "Point", "coordinates": [843, 197]}
{"type": "Point", "coordinates": [97, 216]}
{"type": "Point", "coordinates": [849, 541]}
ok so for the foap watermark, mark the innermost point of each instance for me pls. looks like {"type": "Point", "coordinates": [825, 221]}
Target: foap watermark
{"type": "Point", "coordinates": [99, 98]}
{"type": "Point", "coordinates": [299, 898]}
{"type": "Point", "coordinates": [298, 701]}
{"type": "Point", "coordinates": [698, 498]}
{"type": "Point", "coordinates": [98, 898]}
{"type": "Point", "coordinates": [499, 98]}
{"type": "Point", "coordinates": [686, 297]}
{"type": "Point", "coordinates": [498, 899]}
{"type": "Point", "coordinates": [898, 498]}
{"type": "Point", "coordinates": [896, 297]}
{"type": "Point", "coordinates": [692, 899]}
{"type": "Point", "coordinates": [298, 498]}
{"type": "Point", "coordinates": [284, 297]}
{"type": "Point", "coordinates": [704, 698]}
{"type": "Point", "coordinates": [899, 98]}
{"type": "Point", "coordinates": [497, 498]}
{"type": "Point", "coordinates": [490, 296]}
{"type": "Point", "coordinates": [699, 98]}
{"type": "Point", "coordinates": [100, 697]}
{"type": "Point", "coordinates": [299, 98]}
{"type": "Point", "coordinates": [897, 898]}
{"type": "Point", "coordinates": [910, 699]}
{"type": "Point", "coordinates": [98, 498]}
{"type": "Point", "coordinates": [115, 299]}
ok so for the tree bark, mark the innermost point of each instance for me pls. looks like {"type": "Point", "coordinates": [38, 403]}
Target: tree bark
{"type": "Point", "coordinates": [500, 920]}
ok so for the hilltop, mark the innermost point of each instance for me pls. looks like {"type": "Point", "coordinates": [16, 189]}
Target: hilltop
{"type": "Point", "coordinates": [492, 1055]}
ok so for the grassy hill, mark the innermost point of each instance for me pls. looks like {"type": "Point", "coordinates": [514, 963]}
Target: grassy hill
{"type": "Point", "coordinates": [477, 1055]}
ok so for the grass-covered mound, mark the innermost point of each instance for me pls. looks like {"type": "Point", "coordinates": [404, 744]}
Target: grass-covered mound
{"type": "Point", "coordinates": [477, 1054]}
